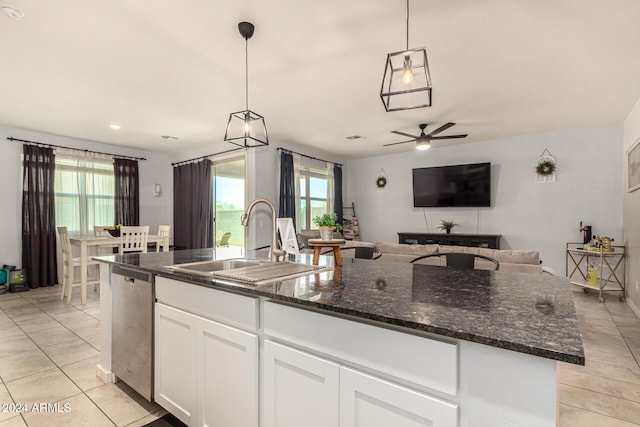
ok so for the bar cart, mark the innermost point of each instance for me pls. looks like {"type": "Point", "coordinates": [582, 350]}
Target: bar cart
{"type": "Point", "coordinates": [610, 268]}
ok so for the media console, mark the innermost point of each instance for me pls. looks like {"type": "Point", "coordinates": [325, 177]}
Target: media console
{"type": "Point", "coordinates": [491, 241]}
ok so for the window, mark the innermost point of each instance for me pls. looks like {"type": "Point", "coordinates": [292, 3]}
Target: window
{"type": "Point", "coordinates": [84, 191]}
{"type": "Point", "coordinates": [314, 195]}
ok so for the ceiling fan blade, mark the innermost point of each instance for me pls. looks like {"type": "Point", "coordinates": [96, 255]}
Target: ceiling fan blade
{"type": "Point", "coordinates": [434, 138]}
{"type": "Point", "coordinates": [441, 128]}
{"type": "Point", "coordinates": [404, 134]}
{"type": "Point", "coordinates": [396, 143]}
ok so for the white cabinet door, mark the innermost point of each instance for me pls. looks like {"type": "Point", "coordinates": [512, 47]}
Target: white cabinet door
{"type": "Point", "coordinates": [175, 362]}
{"type": "Point", "coordinates": [227, 376]}
{"type": "Point", "coordinates": [367, 401]}
{"type": "Point", "coordinates": [299, 389]}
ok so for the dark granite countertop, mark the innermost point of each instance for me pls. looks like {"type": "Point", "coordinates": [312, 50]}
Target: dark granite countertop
{"type": "Point", "coordinates": [527, 313]}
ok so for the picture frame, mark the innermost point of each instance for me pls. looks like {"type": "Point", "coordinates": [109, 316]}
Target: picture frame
{"type": "Point", "coordinates": [633, 167]}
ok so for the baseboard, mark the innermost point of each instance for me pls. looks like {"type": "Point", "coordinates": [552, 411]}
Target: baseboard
{"type": "Point", "coordinates": [106, 376]}
{"type": "Point", "coordinates": [633, 307]}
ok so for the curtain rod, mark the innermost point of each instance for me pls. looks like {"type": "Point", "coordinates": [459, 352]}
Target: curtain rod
{"type": "Point", "coordinates": [308, 157]}
{"type": "Point", "coordinates": [42, 144]}
{"type": "Point", "coordinates": [184, 162]}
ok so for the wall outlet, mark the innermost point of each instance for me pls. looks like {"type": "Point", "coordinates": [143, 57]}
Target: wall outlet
{"type": "Point", "coordinates": [636, 286]}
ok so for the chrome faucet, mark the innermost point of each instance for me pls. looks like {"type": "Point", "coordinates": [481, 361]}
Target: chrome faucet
{"type": "Point", "coordinates": [274, 251]}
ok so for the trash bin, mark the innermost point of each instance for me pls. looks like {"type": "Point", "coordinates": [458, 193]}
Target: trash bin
{"type": "Point", "coordinates": [17, 280]}
{"type": "Point", "coordinates": [3, 282]}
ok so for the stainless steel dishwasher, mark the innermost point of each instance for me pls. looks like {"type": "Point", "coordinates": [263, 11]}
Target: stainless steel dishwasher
{"type": "Point", "coordinates": [132, 294]}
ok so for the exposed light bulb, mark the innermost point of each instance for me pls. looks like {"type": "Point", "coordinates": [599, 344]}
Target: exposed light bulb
{"type": "Point", "coordinates": [247, 127]}
{"type": "Point", "coordinates": [407, 74]}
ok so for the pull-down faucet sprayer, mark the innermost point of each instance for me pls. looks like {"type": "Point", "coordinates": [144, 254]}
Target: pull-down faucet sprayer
{"type": "Point", "coordinates": [275, 251]}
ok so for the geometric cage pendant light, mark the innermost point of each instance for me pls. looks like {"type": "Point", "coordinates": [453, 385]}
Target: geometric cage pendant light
{"type": "Point", "coordinates": [406, 83]}
{"type": "Point", "coordinates": [246, 128]}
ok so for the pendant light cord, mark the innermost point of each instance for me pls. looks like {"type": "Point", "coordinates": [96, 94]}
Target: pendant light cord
{"type": "Point", "coordinates": [246, 73]}
{"type": "Point", "coordinates": [407, 24]}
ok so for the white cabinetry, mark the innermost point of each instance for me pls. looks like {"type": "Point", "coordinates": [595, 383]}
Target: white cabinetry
{"type": "Point", "coordinates": [304, 389]}
{"type": "Point", "coordinates": [368, 401]}
{"type": "Point", "coordinates": [299, 389]}
{"type": "Point", "coordinates": [206, 371]}
{"type": "Point", "coordinates": [175, 368]}
{"type": "Point", "coordinates": [227, 366]}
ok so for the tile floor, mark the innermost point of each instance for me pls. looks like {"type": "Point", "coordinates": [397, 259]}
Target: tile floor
{"type": "Point", "coordinates": [48, 355]}
{"type": "Point", "coordinates": [49, 350]}
{"type": "Point", "coordinates": [606, 391]}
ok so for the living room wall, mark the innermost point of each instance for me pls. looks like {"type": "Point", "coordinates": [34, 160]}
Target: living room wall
{"type": "Point", "coordinates": [632, 213]}
{"type": "Point", "coordinates": [153, 210]}
{"type": "Point", "coordinates": [529, 215]}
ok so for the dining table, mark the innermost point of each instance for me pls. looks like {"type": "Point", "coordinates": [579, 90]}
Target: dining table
{"type": "Point", "coordinates": [84, 242]}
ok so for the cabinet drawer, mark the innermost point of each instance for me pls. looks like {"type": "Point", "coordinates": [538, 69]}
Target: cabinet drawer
{"type": "Point", "coordinates": [230, 308]}
{"type": "Point", "coordinates": [367, 401]}
{"type": "Point", "coordinates": [420, 360]}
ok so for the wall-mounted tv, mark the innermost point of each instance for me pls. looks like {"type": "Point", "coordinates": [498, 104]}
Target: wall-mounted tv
{"type": "Point", "coordinates": [452, 186]}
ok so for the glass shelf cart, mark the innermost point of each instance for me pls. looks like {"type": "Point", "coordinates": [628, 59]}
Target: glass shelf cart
{"type": "Point", "coordinates": [610, 269]}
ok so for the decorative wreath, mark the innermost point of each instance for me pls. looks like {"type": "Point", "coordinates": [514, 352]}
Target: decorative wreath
{"type": "Point", "coordinates": [546, 167]}
{"type": "Point", "coordinates": [381, 182]}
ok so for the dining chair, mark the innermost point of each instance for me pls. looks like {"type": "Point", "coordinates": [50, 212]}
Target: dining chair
{"type": "Point", "coordinates": [134, 238]}
{"type": "Point", "coordinates": [100, 231]}
{"type": "Point", "coordinates": [68, 265]}
{"type": "Point", "coordinates": [460, 260]}
{"type": "Point", "coordinates": [163, 231]}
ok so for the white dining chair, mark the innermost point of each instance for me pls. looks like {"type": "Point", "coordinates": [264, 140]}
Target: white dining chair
{"type": "Point", "coordinates": [134, 238]}
{"type": "Point", "coordinates": [68, 265]}
{"type": "Point", "coordinates": [100, 231]}
{"type": "Point", "coordinates": [163, 231]}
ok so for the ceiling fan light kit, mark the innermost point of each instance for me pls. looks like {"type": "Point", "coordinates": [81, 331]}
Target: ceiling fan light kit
{"type": "Point", "coordinates": [246, 128]}
{"type": "Point", "coordinates": [406, 83]}
{"type": "Point", "coordinates": [423, 141]}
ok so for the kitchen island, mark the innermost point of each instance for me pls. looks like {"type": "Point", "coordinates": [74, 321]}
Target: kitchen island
{"type": "Point", "coordinates": [368, 343]}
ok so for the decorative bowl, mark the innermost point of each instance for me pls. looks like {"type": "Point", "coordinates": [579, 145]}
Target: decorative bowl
{"type": "Point", "coordinates": [114, 233]}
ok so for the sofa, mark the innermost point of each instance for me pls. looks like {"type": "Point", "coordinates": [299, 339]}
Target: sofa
{"type": "Point", "coordinates": [514, 261]}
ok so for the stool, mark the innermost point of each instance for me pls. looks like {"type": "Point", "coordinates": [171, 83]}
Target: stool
{"type": "Point", "coordinates": [318, 244]}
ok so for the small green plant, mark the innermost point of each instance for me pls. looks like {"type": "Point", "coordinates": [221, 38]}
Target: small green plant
{"type": "Point", "coordinates": [447, 225]}
{"type": "Point", "coordinates": [328, 220]}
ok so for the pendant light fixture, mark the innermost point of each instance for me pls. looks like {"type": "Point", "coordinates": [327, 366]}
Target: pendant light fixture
{"type": "Point", "coordinates": [246, 128]}
{"type": "Point", "coordinates": [406, 83]}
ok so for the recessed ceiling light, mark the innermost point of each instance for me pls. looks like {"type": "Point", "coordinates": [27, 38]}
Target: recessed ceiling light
{"type": "Point", "coordinates": [115, 127]}
{"type": "Point", "coordinates": [169, 137]}
{"type": "Point", "coordinates": [12, 12]}
{"type": "Point", "coordinates": [355, 137]}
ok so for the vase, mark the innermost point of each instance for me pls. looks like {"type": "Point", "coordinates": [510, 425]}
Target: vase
{"type": "Point", "coordinates": [326, 233]}
{"type": "Point", "coordinates": [448, 231]}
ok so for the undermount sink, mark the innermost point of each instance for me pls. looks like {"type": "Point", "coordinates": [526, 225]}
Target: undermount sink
{"type": "Point", "coordinates": [208, 267]}
{"type": "Point", "coordinates": [247, 270]}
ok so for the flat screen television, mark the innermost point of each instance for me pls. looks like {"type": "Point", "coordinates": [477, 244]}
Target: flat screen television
{"type": "Point", "coordinates": [452, 186]}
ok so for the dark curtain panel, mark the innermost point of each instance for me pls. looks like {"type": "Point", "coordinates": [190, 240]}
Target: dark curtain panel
{"type": "Point", "coordinates": [287, 205]}
{"type": "Point", "coordinates": [127, 192]}
{"type": "Point", "coordinates": [337, 192]}
{"type": "Point", "coordinates": [193, 206]}
{"type": "Point", "coordinates": [38, 217]}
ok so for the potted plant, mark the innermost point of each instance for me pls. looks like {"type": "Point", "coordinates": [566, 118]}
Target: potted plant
{"type": "Point", "coordinates": [447, 225]}
{"type": "Point", "coordinates": [327, 223]}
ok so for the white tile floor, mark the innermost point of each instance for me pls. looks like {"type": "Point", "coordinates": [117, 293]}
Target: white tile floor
{"type": "Point", "coordinates": [49, 350]}
{"type": "Point", "coordinates": [48, 355]}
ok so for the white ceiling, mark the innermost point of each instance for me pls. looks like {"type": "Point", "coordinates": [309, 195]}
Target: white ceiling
{"type": "Point", "coordinates": [160, 67]}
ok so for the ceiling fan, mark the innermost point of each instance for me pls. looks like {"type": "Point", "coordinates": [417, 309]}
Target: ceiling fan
{"type": "Point", "coordinates": [423, 141]}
